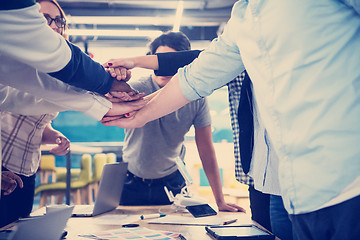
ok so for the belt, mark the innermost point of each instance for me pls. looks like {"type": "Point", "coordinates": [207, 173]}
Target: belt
{"type": "Point", "coordinates": [155, 180]}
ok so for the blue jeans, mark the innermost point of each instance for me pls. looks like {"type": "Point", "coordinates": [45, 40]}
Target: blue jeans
{"type": "Point", "coordinates": [280, 222]}
{"type": "Point", "coordinates": [138, 191]}
{"type": "Point", "coordinates": [340, 221]}
{"type": "Point", "coordinates": [259, 205]}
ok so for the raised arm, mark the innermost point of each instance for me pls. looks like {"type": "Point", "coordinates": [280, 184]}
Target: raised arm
{"type": "Point", "coordinates": [164, 64]}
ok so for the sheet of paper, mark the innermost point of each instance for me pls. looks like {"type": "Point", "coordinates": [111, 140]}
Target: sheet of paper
{"type": "Point", "coordinates": [140, 233]}
{"type": "Point", "coordinates": [116, 219]}
{"type": "Point", "coordinates": [204, 221]}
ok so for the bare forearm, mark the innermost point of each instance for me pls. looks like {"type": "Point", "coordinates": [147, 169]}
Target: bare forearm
{"type": "Point", "coordinates": [163, 103]}
{"type": "Point", "coordinates": [212, 172]}
{"type": "Point", "coordinates": [208, 158]}
{"type": "Point", "coordinates": [148, 62]}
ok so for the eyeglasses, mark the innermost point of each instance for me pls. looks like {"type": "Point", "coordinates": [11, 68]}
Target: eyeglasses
{"type": "Point", "coordinates": [59, 21]}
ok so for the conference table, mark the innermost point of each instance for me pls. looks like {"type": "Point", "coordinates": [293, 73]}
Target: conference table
{"type": "Point", "coordinates": [80, 228]}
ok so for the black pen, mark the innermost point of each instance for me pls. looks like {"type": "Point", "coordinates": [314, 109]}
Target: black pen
{"type": "Point", "coordinates": [230, 221]}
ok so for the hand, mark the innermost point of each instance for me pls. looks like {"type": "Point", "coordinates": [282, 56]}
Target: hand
{"type": "Point", "coordinates": [229, 207]}
{"type": "Point", "coordinates": [119, 110]}
{"type": "Point", "coordinates": [118, 68]}
{"type": "Point", "coordinates": [9, 182]}
{"type": "Point", "coordinates": [122, 86]}
{"type": "Point", "coordinates": [63, 146]}
{"type": "Point", "coordinates": [116, 97]}
{"type": "Point", "coordinates": [128, 120]}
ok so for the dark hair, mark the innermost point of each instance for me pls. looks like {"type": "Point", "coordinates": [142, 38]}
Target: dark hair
{"type": "Point", "coordinates": [175, 40]}
{"type": "Point", "coordinates": [62, 13]}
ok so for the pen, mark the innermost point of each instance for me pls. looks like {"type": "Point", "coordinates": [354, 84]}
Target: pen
{"type": "Point", "coordinates": [230, 221]}
{"type": "Point", "coordinates": [155, 215]}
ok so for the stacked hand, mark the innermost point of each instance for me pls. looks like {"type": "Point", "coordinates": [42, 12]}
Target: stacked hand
{"type": "Point", "coordinates": [119, 68]}
{"type": "Point", "coordinates": [126, 101]}
{"type": "Point", "coordinates": [9, 182]}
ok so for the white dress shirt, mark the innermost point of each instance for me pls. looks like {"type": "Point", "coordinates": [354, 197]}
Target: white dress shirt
{"type": "Point", "coordinates": [303, 59]}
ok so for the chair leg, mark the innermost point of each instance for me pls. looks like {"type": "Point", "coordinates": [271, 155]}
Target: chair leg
{"type": "Point", "coordinates": [59, 197]}
{"type": "Point", "coordinates": [77, 197]}
{"type": "Point", "coordinates": [90, 193]}
{"type": "Point", "coordinates": [84, 192]}
{"type": "Point", "coordinates": [43, 198]}
{"type": "Point", "coordinates": [96, 189]}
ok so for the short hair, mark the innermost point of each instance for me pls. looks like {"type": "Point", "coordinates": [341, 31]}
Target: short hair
{"type": "Point", "coordinates": [175, 40]}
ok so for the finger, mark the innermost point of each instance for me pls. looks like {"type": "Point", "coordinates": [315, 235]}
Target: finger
{"type": "Point", "coordinates": [118, 73]}
{"type": "Point", "coordinates": [128, 75]}
{"type": "Point", "coordinates": [108, 95]}
{"type": "Point", "coordinates": [121, 95]}
{"type": "Point", "coordinates": [116, 122]}
{"type": "Point", "coordinates": [112, 72]}
{"type": "Point", "coordinates": [123, 73]}
{"type": "Point", "coordinates": [111, 118]}
{"type": "Point", "coordinates": [60, 150]}
{"type": "Point", "coordinates": [132, 106]}
{"type": "Point", "coordinates": [239, 209]}
{"type": "Point", "coordinates": [115, 100]}
{"type": "Point", "coordinates": [19, 181]}
{"type": "Point", "coordinates": [129, 115]}
{"type": "Point", "coordinates": [138, 96]}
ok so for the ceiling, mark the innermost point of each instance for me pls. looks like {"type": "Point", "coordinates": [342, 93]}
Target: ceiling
{"type": "Point", "coordinates": [136, 21]}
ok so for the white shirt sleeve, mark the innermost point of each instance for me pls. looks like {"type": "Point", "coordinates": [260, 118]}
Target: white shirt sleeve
{"type": "Point", "coordinates": [16, 101]}
{"type": "Point", "coordinates": [51, 94]}
{"type": "Point", "coordinates": [26, 37]}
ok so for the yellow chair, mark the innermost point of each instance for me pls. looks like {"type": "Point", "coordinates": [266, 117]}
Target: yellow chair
{"type": "Point", "coordinates": [61, 173]}
{"type": "Point", "coordinates": [47, 168]}
{"type": "Point", "coordinates": [110, 158]}
{"type": "Point", "coordinates": [99, 161]}
{"type": "Point", "coordinates": [78, 186]}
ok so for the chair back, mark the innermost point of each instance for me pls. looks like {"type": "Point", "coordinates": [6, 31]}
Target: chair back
{"type": "Point", "coordinates": [100, 159]}
{"type": "Point", "coordinates": [47, 169]}
{"type": "Point", "coordinates": [110, 158]}
{"type": "Point", "coordinates": [85, 166]}
{"type": "Point", "coordinates": [47, 162]}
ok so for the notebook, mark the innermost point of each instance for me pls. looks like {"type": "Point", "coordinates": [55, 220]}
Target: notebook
{"type": "Point", "coordinates": [45, 227]}
{"type": "Point", "coordinates": [109, 194]}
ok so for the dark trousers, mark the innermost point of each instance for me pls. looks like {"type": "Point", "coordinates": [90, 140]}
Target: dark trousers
{"type": "Point", "coordinates": [340, 221]}
{"type": "Point", "coordinates": [139, 191]}
{"type": "Point", "coordinates": [260, 207]}
{"type": "Point", "coordinates": [19, 203]}
{"type": "Point", "coordinates": [280, 221]}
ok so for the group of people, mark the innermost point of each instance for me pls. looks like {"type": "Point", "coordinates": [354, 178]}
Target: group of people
{"type": "Point", "coordinates": [298, 58]}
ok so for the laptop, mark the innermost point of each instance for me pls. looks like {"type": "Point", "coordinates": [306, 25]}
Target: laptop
{"type": "Point", "coordinates": [46, 227]}
{"type": "Point", "coordinates": [109, 193]}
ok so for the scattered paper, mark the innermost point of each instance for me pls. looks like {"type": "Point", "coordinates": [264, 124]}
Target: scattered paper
{"type": "Point", "coordinates": [140, 233]}
{"type": "Point", "coordinates": [203, 221]}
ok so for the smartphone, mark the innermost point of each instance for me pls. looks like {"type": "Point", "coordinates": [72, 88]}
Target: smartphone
{"type": "Point", "coordinates": [248, 232]}
{"type": "Point", "coordinates": [201, 210]}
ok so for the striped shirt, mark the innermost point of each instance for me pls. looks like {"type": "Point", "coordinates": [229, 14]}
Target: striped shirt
{"type": "Point", "coordinates": [21, 138]}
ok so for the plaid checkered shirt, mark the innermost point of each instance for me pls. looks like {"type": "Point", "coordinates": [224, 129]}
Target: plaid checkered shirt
{"type": "Point", "coordinates": [234, 88]}
{"type": "Point", "coordinates": [21, 138]}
